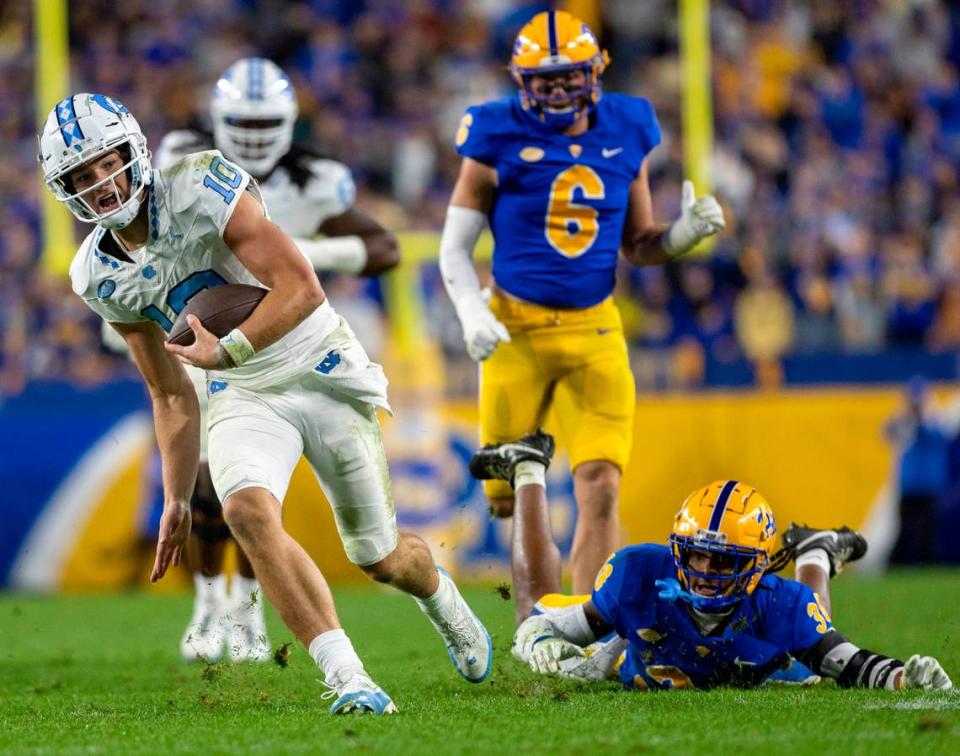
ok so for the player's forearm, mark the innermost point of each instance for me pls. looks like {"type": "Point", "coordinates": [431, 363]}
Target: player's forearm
{"type": "Point", "coordinates": [342, 254]}
{"type": "Point", "coordinates": [176, 420]}
{"type": "Point", "coordinates": [461, 231]}
{"type": "Point", "coordinates": [569, 624]}
{"type": "Point", "coordinates": [645, 247]}
{"type": "Point", "coordinates": [284, 307]}
{"type": "Point", "coordinates": [851, 666]}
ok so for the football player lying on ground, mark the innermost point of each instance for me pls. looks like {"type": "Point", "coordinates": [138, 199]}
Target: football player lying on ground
{"type": "Point", "coordinates": [698, 613]}
{"type": "Point", "coordinates": [290, 379]}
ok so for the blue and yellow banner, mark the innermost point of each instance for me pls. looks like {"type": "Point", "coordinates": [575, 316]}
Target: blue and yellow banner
{"type": "Point", "coordinates": [78, 463]}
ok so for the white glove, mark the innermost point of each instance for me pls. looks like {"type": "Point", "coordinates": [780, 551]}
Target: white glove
{"type": "Point", "coordinates": [481, 330]}
{"type": "Point", "coordinates": [549, 652]}
{"type": "Point", "coordinates": [924, 673]}
{"type": "Point", "coordinates": [698, 219]}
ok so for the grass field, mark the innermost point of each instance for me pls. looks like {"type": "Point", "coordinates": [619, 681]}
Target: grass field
{"type": "Point", "coordinates": [102, 675]}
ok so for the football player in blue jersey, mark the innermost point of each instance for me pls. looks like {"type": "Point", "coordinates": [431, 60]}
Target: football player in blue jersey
{"type": "Point", "coordinates": [703, 611]}
{"type": "Point", "coordinates": [560, 173]}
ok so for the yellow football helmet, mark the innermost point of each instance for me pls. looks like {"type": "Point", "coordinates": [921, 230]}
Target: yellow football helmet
{"type": "Point", "coordinates": [556, 42]}
{"type": "Point", "coordinates": [730, 519]}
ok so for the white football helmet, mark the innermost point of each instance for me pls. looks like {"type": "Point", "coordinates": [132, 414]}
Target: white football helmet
{"type": "Point", "coordinates": [253, 110]}
{"type": "Point", "coordinates": [82, 128]}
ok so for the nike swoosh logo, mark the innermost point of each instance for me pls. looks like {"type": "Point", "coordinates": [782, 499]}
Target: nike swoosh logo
{"type": "Point", "coordinates": [610, 153]}
{"type": "Point", "coordinates": [602, 331]}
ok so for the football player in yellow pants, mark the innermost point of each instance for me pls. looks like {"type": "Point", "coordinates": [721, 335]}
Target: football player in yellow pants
{"type": "Point", "coordinates": [560, 172]}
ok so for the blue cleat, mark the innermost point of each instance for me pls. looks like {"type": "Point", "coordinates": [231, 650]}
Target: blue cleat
{"type": "Point", "coordinates": [795, 674]}
{"type": "Point", "coordinates": [358, 694]}
{"type": "Point", "coordinates": [468, 643]}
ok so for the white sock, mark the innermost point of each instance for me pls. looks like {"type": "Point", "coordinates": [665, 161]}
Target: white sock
{"type": "Point", "coordinates": [245, 593]}
{"type": "Point", "coordinates": [333, 652]}
{"type": "Point", "coordinates": [817, 557]}
{"type": "Point", "coordinates": [210, 589]}
{"type": "Point", "coordinates": [529, 473]}
{"type": "Point", "coordinates": [439, 606]}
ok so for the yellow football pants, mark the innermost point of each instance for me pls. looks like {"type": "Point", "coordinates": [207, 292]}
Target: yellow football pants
{"type": "Point", "coordinates": [573, 360]}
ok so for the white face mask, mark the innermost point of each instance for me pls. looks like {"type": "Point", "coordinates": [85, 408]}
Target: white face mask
{"type": "Point", "coordinates": [86, 204]}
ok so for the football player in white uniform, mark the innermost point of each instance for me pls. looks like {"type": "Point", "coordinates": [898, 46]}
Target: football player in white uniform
{"type": "Point", "coordinates": [291, 379]}
{"type": "Point", "coordinates": [253, 110]}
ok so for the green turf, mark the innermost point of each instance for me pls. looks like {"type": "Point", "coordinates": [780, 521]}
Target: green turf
{"type": "Point", "coordinates": [101, 675]}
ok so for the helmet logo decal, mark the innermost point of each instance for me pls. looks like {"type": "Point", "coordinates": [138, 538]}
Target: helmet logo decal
{"type": "Point", "coordinates": [67, 120]}
{"type": "Point", "coordinates": [110, 104]}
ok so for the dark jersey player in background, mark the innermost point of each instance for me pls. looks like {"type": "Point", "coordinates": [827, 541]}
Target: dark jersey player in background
{"type": "Point", "coordinates": [560, 172]}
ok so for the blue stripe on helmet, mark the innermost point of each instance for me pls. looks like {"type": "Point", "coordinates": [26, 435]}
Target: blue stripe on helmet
{"type": "Point", "coordinates": [67, 120]}
{"type": "Point", "coordinates": [255, 79]}
{"type": "Point", "coordinates": [552, 32]}
{"type": "Point", "coordinates": [718, 509]}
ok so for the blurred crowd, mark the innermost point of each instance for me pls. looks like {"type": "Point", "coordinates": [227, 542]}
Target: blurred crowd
{"type": "Point", "coordinates": [837, 147]}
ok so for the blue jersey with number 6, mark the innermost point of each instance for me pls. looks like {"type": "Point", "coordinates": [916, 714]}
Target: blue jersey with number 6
{"type": "Point", "coordinates": [667, 649]}
{"type": "Point", "coordinates": [560, 204]}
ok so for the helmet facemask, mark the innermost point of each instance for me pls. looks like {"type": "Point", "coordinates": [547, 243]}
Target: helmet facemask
{"type": "Point", "coordinates": [736, 570]}
{"type": "Point", "coordinates": [254, 109]}
{"type": "Point", "coordinates": [90, 204]}
{"type": "Point", "coordinates": [576, 103]}
{"type": "Point", "coordinates": [256, 144]}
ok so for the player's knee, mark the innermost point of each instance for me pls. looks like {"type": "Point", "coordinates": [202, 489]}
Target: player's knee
{"type": "Point", "coordinates": [384, 570]}
{"type": "Point", "coordinates": [381, 571]}
{"type": "Point", "coordinates": [599, 483]}
{"type": "Point", "coordinates": [249, 513]}
{"type": "Point", "coordinates": [501, 506]}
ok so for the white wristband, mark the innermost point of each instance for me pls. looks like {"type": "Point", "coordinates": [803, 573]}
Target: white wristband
{"type": "Point", "coordinates": [343, 254]}
{"type": "Point", "coordinates": [237, 346]}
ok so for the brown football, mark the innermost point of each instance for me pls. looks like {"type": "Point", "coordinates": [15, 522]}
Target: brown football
{"type": "Point", "coordinates": [220, 309]}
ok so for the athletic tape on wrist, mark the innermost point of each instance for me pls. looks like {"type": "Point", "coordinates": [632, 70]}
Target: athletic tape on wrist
{"type": "Point", "coordinates": [237, 346]}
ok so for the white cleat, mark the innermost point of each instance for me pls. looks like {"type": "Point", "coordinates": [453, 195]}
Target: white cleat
{"type": "Point", "coordinates": [358, 694]}
{"type": "Point", "coordinates": [204, 637]}
{"type": "Point", "coordinates": [467, 640]}
{"type": "Point", "coordinates": [247, 632]}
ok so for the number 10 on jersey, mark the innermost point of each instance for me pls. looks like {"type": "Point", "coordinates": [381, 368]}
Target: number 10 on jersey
{"type": "Point", "coordinates": [223, 179]}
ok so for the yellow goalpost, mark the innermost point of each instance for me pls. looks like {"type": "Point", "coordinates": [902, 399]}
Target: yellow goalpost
{"type": "Point", "coordinates": [51, 84]}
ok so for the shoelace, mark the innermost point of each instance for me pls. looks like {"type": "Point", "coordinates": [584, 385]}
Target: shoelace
{"type": "Point", "coordinates": [330, 692]}
{"type": "Point", "coordinates": [335, 686]}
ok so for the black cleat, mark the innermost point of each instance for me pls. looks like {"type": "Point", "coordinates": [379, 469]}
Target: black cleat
{"type": "Point", "coordinates": [500, 460]}
{"type": "Point", "coordinates": [842, 545]}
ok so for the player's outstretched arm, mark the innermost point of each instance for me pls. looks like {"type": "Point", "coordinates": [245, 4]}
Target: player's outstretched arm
{"type": "Point", "coordinates": [545, 640]}
{"type": "Point", "coordinates": [853, 667]}
{"type": "Point", "coordinates": [466, 217]}
{"type": "Point", "coordinates": [355, 243]}
{"type": "Point", "coordinates": [645, 242]}
{"type": "Point", "coordinates": [176, 417]}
